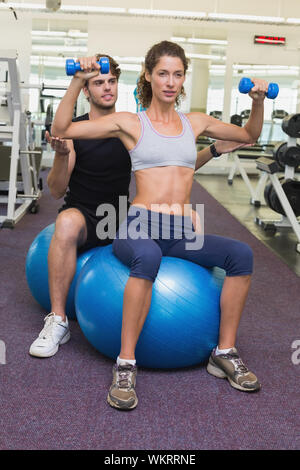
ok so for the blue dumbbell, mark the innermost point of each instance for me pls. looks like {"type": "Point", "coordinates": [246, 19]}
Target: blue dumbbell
{"type": "Point", "coordinates": [246, 84]}
{"type": "Point", "coordinates": [72, 67]}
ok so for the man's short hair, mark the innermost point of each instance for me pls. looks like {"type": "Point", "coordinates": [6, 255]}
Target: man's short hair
{"type": "Point", "coordinates": [113, 66]}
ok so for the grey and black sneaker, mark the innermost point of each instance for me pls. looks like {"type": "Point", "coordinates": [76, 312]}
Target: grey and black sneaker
{"type": "Point", "coordinates": [230, 366]}
{"type": "Point", "coordinates": [122, 394]}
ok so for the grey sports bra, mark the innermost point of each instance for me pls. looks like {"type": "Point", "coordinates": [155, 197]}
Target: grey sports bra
{"type": "Point", "coordinates": [154, 149]}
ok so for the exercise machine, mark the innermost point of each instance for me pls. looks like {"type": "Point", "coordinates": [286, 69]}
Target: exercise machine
{"type": "Point", "coordinates": [19, 182]}
{"type": "Point", "coordinates": [253, 152]}
{"type": "Point", "coordinates": [216, 115]}
{"type": "Point", "coordinates": [263, 148]}
{"type": "Point", "coordinates": [249, 153]}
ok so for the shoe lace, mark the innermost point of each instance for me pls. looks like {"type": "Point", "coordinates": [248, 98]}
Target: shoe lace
{"type": "Point", "coordinates": [48, 327]}
{"type": "Point", "coordinates": [124, 376]}
{"type": "Point", "coordinates": [238, 363]}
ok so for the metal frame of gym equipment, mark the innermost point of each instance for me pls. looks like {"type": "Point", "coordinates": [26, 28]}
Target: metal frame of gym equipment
{"type": "Point", "coordinates": [270, 169]}
{"type": "Point", "coordinates": [17, 130]}
{"type": "Point", "coordinates": [255, 193]}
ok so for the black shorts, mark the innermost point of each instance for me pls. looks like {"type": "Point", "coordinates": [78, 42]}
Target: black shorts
{"type": "Point", "coordinates": [91, 220]}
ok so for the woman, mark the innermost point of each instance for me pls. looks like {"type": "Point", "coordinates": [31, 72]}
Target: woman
{"type": "Point", "coordinates": [161, 143]}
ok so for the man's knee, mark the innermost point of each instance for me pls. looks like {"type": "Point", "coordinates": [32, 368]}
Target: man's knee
{"type": "Point", "coordinates": [70, 226]}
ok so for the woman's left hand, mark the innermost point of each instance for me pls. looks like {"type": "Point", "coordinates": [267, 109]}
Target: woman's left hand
{"type": "Point", "coordinates": [228, 146]}
{"type": "Point", "coordinates": [257, 93]}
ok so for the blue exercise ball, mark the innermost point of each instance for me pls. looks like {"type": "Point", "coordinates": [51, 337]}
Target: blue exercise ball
{"type": "Point", "coordinates": [37, 271]}
{"type": "Point", "coordinates": [182, 326]}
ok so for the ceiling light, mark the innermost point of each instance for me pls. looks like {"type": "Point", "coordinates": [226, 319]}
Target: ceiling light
{"type": "Point", "coordinates": [49, 33]}
{"type": "Point", "coordinates": [200, 40]}
{"type": "Point", "coordinates": [26, 6]}
{"type": "Point", "coordinates": [293, 20]}
{"type": "Point", "coordinates": [169, 13]}
{"type": "Point", "coordinates": [204, 56]}
{"type": "Point", "coordinates": [75, 33]}
{"type": "Point", "coordinates": [130, 67]}
{"type": "Point", "coordinates": [51, 61]}
{"type": "Point", "coordinates": [207, 41]}
{"type": "Point", "coordinates": [91, 9]}
{"type": "Point", "coordinates": [58, 49]}
{"type": "Point", "coordinates": [178, 39]}
{"type": "Point", "coordinates": [64, 8]}
{"type": "Point", "coordinates": [260, 19]}
{"type": "Point", "coordinates": [72, 33]}
{"type": "Point", "coordinates": [262, 67]}
{"type": "Point", "coordinates": [130, 60]}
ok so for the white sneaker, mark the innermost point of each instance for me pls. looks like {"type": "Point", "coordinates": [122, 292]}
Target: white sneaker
{"type": "Point", "coordinates": [54, 333]}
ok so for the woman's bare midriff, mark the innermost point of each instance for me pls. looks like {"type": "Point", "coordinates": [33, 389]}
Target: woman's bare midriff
{"type": "Point", "coordinates": [164, 189]}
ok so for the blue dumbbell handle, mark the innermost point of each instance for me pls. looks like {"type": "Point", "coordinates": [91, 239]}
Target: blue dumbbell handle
{"type": "Point", "coordinates": [246, 84]}
{"type": "Point", "coordinates": [72, 67]}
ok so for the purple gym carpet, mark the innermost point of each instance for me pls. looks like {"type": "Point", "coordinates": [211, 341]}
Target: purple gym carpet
{"type": "Point", "coordinates": [60, 402]}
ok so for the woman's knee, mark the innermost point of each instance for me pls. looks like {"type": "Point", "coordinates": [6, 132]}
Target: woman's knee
{"type": "Point", "coordinates": [146, 264]}
{"type": "Point", "coordinates": [143, 259]}
{"type": "Point", "coordinates": [239, 259]}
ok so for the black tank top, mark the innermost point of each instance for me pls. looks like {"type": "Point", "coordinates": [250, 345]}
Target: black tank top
{"type": "Point", "coordinates": [101, 173]}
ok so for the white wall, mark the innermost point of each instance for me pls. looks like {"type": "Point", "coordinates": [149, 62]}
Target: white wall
{"type": "Point", "coordinates": [123, 37]}
{"type": "Point", "coordinates": [16, 34]}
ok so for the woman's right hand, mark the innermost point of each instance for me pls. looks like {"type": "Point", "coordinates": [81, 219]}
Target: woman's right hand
{"type": "Point", "coordinates": [58, 145]}
{"type": "Point", "coordinates": [89, 68]}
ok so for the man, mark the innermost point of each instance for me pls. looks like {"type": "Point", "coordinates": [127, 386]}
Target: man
{"type": "Point", "coordinates": [96, 172]}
